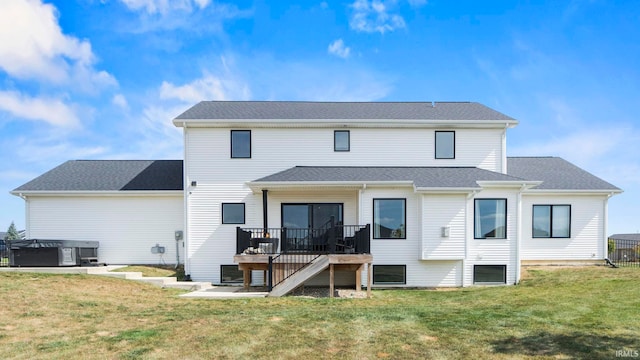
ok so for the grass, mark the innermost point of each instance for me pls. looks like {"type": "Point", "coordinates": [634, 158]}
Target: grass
{"type": "Point", "coordinates": [555, 313]}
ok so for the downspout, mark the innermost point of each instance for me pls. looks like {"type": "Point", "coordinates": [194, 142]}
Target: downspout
{"type": "Point", "coordinates": [187, 192]}
{"type": "Point", "coordinates": [265, 217]}
{"type": "Point", "coordinates": [504, 149]}
{"type": "Point", "coordinates": [27, 218]}
{"type": "Point", "coordinates": [518, 233]}
{"type": "Point", "coordinates": [605, 219]}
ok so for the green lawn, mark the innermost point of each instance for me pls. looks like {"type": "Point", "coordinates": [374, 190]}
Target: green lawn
{"type": "Point", "coordinates": [557, 313]}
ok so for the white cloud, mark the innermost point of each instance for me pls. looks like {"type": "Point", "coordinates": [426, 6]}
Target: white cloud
{"type": "Point", "coordinates": [120, 101]}
{"type": "Point", "coordinates": [165, 6]}
{"type": "Point", "coordinates": [33, 46]}
{"type": "Point", "coordinates": [50, 110]}
{"type": "Point", "coordinates": [339, 49]}
{"type": "Point", "coordinates": [374, 16]}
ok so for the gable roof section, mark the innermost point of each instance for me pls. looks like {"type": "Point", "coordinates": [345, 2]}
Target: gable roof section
{"type": "Point", "coordinates": [421, 177]}
{"type": "Point", "coordinates": [627, 237]}
{"type": "Point", "coordinates": [256, 111]}
{"type": "Point", "coordinates": [109, 175]}
{"type": "Point", "coordinates": [556, 174]}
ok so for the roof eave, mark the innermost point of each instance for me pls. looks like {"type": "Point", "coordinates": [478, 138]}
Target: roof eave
{"type": "Point", "coordinates": [27, 193]}
{"type": "Point", "coordinates": [610, 192]}
{"type": "Point", "coordinates": [333, 123]}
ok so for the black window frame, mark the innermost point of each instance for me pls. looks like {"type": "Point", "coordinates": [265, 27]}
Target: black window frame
{"type": "Point", "coordinates": [233, 156]}
{"type": "Point", "coordinates": [435, 146]}
{"type": "Point", "coordinates": [478, 266]}
{"type": "Point", "coordinates": [379, 266]}
{"type": "Point", "coordinates": [222, 281]}
{"type": "Point", "coordinates": [244, 213]}
{"type": "Point", "coordinates": [335, 143]}
{"type": "Point", "coordinates": [551, 236]}
{"type": "Point", "coordinates": [506, 219]}
{"type": "Point", "coordinates": [404, 235]}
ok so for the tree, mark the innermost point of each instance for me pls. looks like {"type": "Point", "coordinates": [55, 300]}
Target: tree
{"type": "Point", "coordinates": [611, 246]}
{"type": "Point", "coordinates": [12, 233]}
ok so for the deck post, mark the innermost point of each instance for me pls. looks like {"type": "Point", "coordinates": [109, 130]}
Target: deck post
{"type": "Point", "coordinates": [331, 280]}
{"type": "Point", "coordinates": [246, 278]}
{"type": "Point", "coordinates": [359, 277]}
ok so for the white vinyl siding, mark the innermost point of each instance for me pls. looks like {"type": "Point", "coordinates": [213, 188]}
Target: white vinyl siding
{"type": "Point", "coordinates": [127, 227]}
{"type": "Point", "coordinates": [587, 227]}
{"type": "Point", "coordinates": [446, 211]}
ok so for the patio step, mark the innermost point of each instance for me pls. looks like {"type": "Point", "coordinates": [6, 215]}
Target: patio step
{"type": "Point", "coordinates": [314, 268]}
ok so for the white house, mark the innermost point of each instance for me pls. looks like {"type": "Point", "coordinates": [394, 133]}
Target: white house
{"type": "Point", "coordinates": [428, 183]}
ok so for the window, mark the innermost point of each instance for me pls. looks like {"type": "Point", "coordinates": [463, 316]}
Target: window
{"type": "Point", "coordinates": [233, 213]}
{"type": "Point", "coordinates": [341, 140]}
{"type": "Point", "coordinates": [241, 143]}
{"type": "Point", "coordinates": [490, 274]}
{"type": "Point", "coordinates": [445, 145]}
{"type": "Point", "coordinates": [551, 221]}
{"type": "Point", "coordinates": [230, 274]}
{"type": "Point", "coordinates": [389, 218]}
{"type": "Point", "coordinates": [491, 219]}
{"type": "Point", "coordinates": [389, 274]}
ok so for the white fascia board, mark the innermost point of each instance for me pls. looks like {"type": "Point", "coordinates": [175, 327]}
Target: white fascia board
{"type": "Point", "coordinates": [509, 184]}
{"type": "Point", "coordinates": [343, 123]}
{"type": "Point", "coordinates": [281, 185]}
{"type": "Point", "coordinates": [571, 192]}
{"type": "Point", "coordinates": [163, 193]}
{"type": "Point", "coordinates": [445, 190]}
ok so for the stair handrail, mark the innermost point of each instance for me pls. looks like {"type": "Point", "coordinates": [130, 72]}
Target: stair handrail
{"type": "Point", "coordinates": [290, 268]}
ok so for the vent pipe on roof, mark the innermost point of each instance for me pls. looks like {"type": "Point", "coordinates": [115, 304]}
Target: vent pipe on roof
{"type": "Point", "coordinates": [433, 104]}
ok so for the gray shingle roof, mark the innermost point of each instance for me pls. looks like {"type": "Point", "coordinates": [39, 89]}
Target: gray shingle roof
{"type": "Point", "coordinates": [556, 174]}
{"type": "Point", "coordinates": [422, 177]}
{"type": "Point", "coordinates": [296, 110]}
{"type": "Point", "coordinates": [628, 237]}
{"type": "Point", "coordinates": [109, 175]}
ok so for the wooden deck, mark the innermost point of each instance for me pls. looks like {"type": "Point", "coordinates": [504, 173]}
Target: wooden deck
{"type": "Point", "coordinates": [347, 262]}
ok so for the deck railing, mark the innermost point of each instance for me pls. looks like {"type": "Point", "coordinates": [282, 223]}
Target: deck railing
{"type": "Point", "coordinates": [332, 239]}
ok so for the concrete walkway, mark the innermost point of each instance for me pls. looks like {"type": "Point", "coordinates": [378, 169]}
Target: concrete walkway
{"type": "Point", "coordinates": [199, 290]}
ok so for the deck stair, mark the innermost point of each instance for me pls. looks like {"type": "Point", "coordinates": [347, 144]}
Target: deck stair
{"type": "Point", "coordinates": [312, 269]}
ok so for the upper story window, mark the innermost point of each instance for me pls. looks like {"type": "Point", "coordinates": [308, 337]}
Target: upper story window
{"type": "Point", "coordinates": [551, 221]}
{"type": "Point", "coordinates": [233, 213]}
{"type": "Point", "coordinates": [389, 218]}
{"type": "Point", "coordinates": [445, 145]}
{"type": "Point", "coordinates": [241, 144]}
{"type": "Point", "coordinates": [341, 141]}
{"type": "Point", "coordinates": [490, 219]}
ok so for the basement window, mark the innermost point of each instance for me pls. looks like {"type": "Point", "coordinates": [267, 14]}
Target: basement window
{"type": "Point", "coordinates": [490, 274]}
{"type": "Point", "coordinates": [230, 274]}
{"type": "Point", "coordinates": [389, 274]}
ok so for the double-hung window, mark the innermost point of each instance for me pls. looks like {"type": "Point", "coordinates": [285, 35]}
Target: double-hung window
{"type": "Point", "coordinates": [551, 221]}
{"type": "Point", "coordinates": [240, 144]}
{"type": "Point", "coordinates": [389, 218]}
{"type": "Point", "coordinates": [341, 141]}
{"type": "Point", "coordinates": [490, 220]}
{"type": "Point", "coordinates": [445, 145]}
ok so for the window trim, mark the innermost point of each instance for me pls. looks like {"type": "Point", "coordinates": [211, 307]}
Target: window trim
{"type": "Point", "coordinates": [551, 206]}
{"type": "Point", "coordinates": [222, 267]}
{"type": "Point", "coordinates": [504, 275]}
{"type": "Point", "coordinates": [506, 220]}
{"type": "Point", "coordinates": [231, 144]}
{"type": "Point", "coordinates": [244, 213]}
{"type": "Point", "coordinates": [404, 237]}
{"type": "Point", "coordinates": [335, 132]}
{"type": "Point", "coordinates": [404, 275]}
{"type": "Point", "coordinates": [435, 145]}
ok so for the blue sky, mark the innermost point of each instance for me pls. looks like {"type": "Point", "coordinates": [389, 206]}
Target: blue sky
{"type": "Point", "coordinates": [102, 79]}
